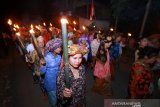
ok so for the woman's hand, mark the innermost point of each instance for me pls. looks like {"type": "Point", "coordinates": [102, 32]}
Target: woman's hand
{"type": "Point", "coordinates": [42, 62]}
{"type": "Point", "coordinates": [67, 92]}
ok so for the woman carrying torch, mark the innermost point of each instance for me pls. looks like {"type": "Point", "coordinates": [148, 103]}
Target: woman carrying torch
{"type": "Point", "coordinates": [36, 58]}
{"type": "Point", "coordinates": [49, 66]}
{"type": "Point", "coordinates": [73, 96]}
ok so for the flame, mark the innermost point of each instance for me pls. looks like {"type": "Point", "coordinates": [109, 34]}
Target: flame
{"type": "Point", "coordinates": [16, 26]}
{"type": "Point", "coordinates": [44, 24]}
{"type": "Point", "coordinates": [111, 29]}
{"type": "Point", "coordinates": [63, 21]}
{"type": "Point", "coordinates": [31, 31]}
{"type": "Point", "coordinates": [83, 27]}
{"type": "Point", "coordinates": [50, 28]}
{"type": "Point", "coordinates": [31, 26]}
{"type": "Point", "coordinates": [9, 21]}
{"type": "Point", "coordinates": [74, 29]}
{"type": "Point", "coordinates": [18, 34]}
{"type": "Point", "coordinates": [129, 34]}
{"type": "Point", "coordinates": [14, 29]}
{"type": "Point", "coordinates": [74, 22]}
{"type": "Point", "coordinates": [50, 24]}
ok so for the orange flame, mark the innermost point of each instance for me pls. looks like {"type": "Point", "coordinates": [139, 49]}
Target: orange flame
{"type": "Point", "coordinates": [50, 24]}
{"type": "Point", "coordinates": [18, 34]}
{"type": "Point", "coordinates": [74, 22]}
{"type": "Point", "coordinates": [9, 21]}
{"type": "Point", "coordinates": [129, 34]}
{"type": "Point", "coordinates": [31, 26]}
{"type": "Point", "coordinates": [31, 31]}
{"type": "Point", "coordinates": [16, 26]}
{"type": "Point", "coordinates": [14, 29]}
{"type": "Point", "coordinates": [63, 21]}
{"type": "Point", "coordinates": [44, 24]}
{"type": "Point", "coordinates": [111, 29]}
{"type": "Point", "coordinates": [50, 28]}
{"type": "Point", "coordinates": [83, 27]}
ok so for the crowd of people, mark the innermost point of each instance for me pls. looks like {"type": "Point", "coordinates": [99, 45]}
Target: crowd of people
{"type": "Point", "coordinates": [94, 50]}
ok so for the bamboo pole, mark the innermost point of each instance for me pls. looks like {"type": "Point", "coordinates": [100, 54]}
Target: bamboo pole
{"type": "Point", "coordinates": [36, 43]}
{"type": "Point", "coordinates": [65, 50]}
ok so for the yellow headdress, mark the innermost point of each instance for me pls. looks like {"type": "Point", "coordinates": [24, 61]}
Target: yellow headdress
{"type": "Point", "coordinates": [76, 49]}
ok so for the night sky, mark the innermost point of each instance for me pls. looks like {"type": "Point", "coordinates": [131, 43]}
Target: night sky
{"type": "Point", "coordinates": [17, 7]}
{"type": "Point", "coordinates": [46, 9]}
{"type": "Point", "coordinates": [30, 9]}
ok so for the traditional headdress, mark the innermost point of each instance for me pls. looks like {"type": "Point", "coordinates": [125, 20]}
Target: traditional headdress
{"type": "Point", "coordinates": [83, 38]}
{"type": "Point", "coordinates": [53, 45]}
{"type": "Point", "coordinates": [76, 49]}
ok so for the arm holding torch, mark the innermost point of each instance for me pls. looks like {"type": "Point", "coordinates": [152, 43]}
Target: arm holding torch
{"type": "Point", "coordinates": [42, 61]}
{"type": "Point", "coordinates": [23, 47]}
{"type": "Point", "coordinates": [36, 44]}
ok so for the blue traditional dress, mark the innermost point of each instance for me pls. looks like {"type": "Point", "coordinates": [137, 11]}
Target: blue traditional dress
{"type": "Point", "coordinates": [51, 70]}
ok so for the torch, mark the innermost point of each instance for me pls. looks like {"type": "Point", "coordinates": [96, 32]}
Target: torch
{"type": "Point", "coordinates": [21, 43]}
{"type": "Point", "coordinates": [35, 42]}
{"type": "Point", "coordinates": [65, 50]}
{"type": "Point", "coordinates": [10, 24]}
{"type": "Point", "coordinates": [44, 24]}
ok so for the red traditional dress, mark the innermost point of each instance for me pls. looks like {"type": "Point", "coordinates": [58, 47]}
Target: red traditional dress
{"type": "Point", "coordinates": [140, 84]}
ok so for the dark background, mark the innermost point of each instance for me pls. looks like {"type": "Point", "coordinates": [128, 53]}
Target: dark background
{"type": "Point", "coordinates": [130, 18]}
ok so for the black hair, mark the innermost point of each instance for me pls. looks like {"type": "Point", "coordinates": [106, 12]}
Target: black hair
{"type": "Point", "coordinates": [100, 56]}
{"type": "Point", "coordinates": [95, 36]}
{"type": "Point", "coordinates": [141, 37]}
{"type": "Point", "coordinates": [148, 52]}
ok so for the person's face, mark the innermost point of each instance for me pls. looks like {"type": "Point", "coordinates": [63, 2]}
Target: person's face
{"type": "Point", "coordinates": [144, 42]}
{"type": "Point", "coordinates": [101, 52]}
{"type": "Point", "coordinates": [97, 36]}
{"type": "Point", "coordinates": [98, 39]}
{"type": "Point", "coordinates": [151, 60]}
{"type": "Point", "coordinates": [58, 50]}
{"type": "Point", "coordinates": [84, 42]}
{"type": "Point", "coordinates": [75, 60]}
{"type": "Point", "coordinates": [41, 44]}
{"type": "Point", "coordinates": [108, 44]}
{"type": "Point", "coordinates": [118, 38]}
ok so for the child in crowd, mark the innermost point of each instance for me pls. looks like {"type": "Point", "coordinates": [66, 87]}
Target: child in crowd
{"type": "Point", "coordinates": [102, 71]}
